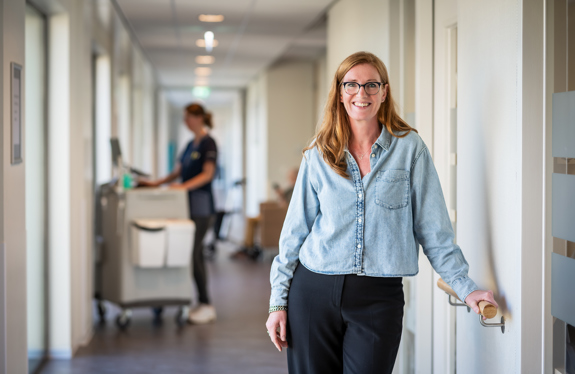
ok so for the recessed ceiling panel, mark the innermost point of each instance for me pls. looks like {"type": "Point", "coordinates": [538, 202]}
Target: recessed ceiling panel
{"type": "Point", "coordinates": [253, 35]}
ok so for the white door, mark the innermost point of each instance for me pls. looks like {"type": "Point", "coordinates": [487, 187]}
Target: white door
{"type": "Point", "coordinates": [445, 158]}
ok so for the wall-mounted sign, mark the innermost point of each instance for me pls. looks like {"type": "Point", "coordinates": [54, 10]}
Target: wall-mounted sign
{"type": "Point", "coordinates": [16, 109]}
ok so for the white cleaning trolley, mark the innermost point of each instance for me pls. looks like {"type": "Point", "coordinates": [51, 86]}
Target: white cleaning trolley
{"type": "Point", "coordinates": [146, 244]}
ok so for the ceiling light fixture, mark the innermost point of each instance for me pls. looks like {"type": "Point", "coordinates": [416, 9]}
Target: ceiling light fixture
{"type": "Point", "coordinates": [209, 40]}
{"type": "Point", "coordinates": [205, 60]}
{"type": "Point", "coordinates": [211, 17]}
{"type": "Point", "coordinates": [203, 72]}
{"type": "Point", "coordinates": [202, 43]}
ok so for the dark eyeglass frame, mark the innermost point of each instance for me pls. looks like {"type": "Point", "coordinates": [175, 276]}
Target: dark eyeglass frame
{"type": "Point", "coordinates": [379, 84]}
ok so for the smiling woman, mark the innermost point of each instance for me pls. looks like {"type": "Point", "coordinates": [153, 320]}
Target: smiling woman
{"type": "Point", "coordinates": [361, 107]}
{"type": "Point", "coordinates": [353, 230]}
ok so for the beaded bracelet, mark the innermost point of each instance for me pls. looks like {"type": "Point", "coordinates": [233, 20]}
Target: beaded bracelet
{"type": "Point", "coordinates": [278, 308]}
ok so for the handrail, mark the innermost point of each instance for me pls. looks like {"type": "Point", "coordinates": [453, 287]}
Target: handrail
{"type": "Point", "coordinates": [486, 309]}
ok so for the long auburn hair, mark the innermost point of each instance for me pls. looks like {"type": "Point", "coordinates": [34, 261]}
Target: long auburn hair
{"type": "Point", "coordinates": [335, 131]}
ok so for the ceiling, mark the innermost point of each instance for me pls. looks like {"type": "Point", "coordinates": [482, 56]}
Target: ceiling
{"type": "Point", "coordinates": [253, 35]}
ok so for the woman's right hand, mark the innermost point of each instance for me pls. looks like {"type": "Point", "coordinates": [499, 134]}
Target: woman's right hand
{"type": "Point", "coordinates": [276, 325]}
{"type": "Point", "coordinates": [146, 183]}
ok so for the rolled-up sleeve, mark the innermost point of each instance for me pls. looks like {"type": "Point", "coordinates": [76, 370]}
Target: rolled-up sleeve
{"type": "Point", "coordinates": [432, 226]}
{"type": "Point", "coordinates": [302, 212]}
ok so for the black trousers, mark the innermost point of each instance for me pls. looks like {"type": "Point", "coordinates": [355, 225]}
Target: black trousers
{"type": "Point", "coordinates": [343, 323]}
{"type": "Point", "coordinates": [198, 262]}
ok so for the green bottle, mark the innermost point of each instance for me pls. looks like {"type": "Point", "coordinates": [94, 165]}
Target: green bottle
{"type": "Point", "coordinates": [127, 181]}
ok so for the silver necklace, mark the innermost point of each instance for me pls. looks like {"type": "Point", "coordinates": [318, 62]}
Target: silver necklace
{"type": "Point", "coordinates": [363, 155]}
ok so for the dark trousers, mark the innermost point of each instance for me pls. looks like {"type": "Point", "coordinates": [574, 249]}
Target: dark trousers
{"type": "Point", "coordinates": [198, 263]}
{"type": "Point", "coordinates": [343, 323]}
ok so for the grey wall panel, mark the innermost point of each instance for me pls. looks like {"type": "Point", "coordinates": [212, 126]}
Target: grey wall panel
{"type": "Point", "coordinates": [563, 217]}
{"type": "Point", "coordinates": [564, 124]}
{"type": "Point", "coordinates": [562, 288]}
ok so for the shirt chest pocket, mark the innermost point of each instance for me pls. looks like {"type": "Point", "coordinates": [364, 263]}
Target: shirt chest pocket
{"type": "Point", "coordinates": [392, 189]}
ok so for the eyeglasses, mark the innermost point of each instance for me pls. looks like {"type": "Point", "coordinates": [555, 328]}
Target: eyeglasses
{"type": "Point", "coordinates": [352, 88]}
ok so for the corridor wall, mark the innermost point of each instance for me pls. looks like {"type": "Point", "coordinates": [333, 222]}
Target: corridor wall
{"type": "Point", "coordinates": [78, 30]}
{"type": "Point", "coordinates": [255, 144]}
{"type": "Point", "coordinates": [500, 179]}
{"type": "Point", "coordinates": [291, 122]}
{"type": "Point", "coordinates": [357, 25]}
{"type": "Point", "coordinates": [13, 349]}
{"type": "Point", "coordinates": [280, 122]}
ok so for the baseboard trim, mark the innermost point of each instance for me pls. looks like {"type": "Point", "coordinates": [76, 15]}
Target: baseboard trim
{"type": "Point", "coordinates": [60, 354]}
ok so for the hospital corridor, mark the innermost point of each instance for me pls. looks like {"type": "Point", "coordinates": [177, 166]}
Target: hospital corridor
{"type": "Point", "coordinates": [274, 187]}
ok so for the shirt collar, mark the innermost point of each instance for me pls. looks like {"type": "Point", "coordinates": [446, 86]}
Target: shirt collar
{"type": "Point", "coordinates": [384, 139]}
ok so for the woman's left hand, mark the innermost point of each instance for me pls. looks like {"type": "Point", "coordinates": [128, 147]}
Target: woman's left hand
{"type": "Point", "coordinates": [475, 297]}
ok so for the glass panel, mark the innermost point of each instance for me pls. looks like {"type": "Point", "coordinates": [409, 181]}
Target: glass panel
{"type": "Point", "coordinates": [35, 185]}
{"type": "Point", "coordinates": [563, 130]}
{"type": "Point", "coordinates": [562, 291]}
{"type": "Point", "coordinates": [563, 211]}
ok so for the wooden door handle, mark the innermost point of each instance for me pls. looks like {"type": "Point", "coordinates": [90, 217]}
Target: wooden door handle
{"type": "Point", "coordinates": [487, 309]}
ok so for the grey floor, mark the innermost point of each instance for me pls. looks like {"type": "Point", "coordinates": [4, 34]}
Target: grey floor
{"type": "Point", "coordinates": [237, 343]}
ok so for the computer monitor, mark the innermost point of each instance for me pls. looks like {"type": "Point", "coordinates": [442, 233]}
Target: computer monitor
{"type": "Point", "coordinates": [116, 151]}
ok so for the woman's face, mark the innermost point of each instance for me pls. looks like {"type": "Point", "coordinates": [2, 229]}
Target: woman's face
{"type": "Point", "coordinates": [194, 123]}
{"type": "Point", "coordinates": [362, 107]}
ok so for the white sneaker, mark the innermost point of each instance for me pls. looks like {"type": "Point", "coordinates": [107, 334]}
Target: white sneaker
{"type": "Point", "coordinates": [204, 313]}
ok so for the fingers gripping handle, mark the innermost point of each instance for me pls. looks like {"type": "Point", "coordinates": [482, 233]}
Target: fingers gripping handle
{"type": "Point", "coordinates": [487, 309]}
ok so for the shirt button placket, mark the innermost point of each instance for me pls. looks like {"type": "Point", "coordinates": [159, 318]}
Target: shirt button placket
{"type": "Point", "coordinates": [360, 209]}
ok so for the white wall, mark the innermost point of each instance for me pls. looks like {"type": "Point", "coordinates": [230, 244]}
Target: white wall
{"type": "Point", "coordinates": [76, 27]}
{"type": "Point", "coordinates": [227, 132]}
{"type": "Point", "coordinates": [70, 178]}
{"type": "Point", "coordinates": [12, 203]}
{"type": "Point", "coordinates": [322, 85]}
{"type": "Point", "coordinates": [500, 178]}
{"type": "Point", "coordinates": [81, 196]}
{"type": "Point", "coordinates": [143, 102]}
{"type": "Point", "coordinates": [290, 118]}
{"type": "Point", "coordinates": [280, 122]}
{"type": "Point", "coordinates": [348, 31]}
{"type": "Point", "coordinates": [163, 134]}
{"type": "Point", "coordinates": [35, 138]}
{"type": "Point", "coordinates": [256, 144]}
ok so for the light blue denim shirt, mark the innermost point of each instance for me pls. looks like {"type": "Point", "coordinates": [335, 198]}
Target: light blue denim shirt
{"type": "Point", "coordinates": [370, 226]}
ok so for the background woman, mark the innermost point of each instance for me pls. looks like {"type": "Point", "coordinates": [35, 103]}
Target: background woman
{"type": "Point", "coordinates": [197, 168]}
{"type": "Point", "coordinates": [367, 195]}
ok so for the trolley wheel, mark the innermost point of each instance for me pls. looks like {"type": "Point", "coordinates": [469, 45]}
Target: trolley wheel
{"type": "Point", "coordinates": [123, 320]}
{"type": "Point", "coordinates": [181, 316]}
{"type": "Point", "coordinates": [102, 311]}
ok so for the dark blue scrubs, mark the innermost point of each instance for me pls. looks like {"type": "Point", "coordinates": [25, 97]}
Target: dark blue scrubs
{"type": "Point", "coordinates": [201, 200]}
